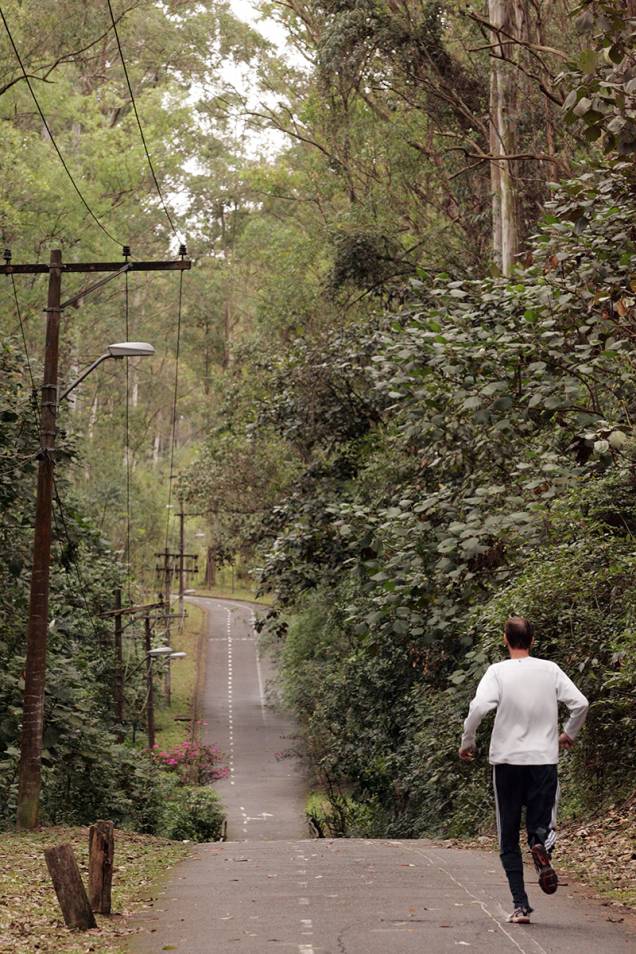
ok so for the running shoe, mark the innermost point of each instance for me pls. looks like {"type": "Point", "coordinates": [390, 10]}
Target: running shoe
{"type": "Point", "coordinates": [520, 915]}
{"type": "Point", "coordinates": [548, 880]}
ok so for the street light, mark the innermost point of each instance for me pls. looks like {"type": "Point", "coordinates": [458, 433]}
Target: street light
{"type": "Point", "coordinates": [30, 771]}
{"type": "Point", "coordinates": [168, 675]}
{"type": "Point", "coordinates": [124, 349]}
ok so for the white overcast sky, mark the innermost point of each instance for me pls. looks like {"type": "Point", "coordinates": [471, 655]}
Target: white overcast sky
{"type": "Point", "coordinates": [259, 143]}
{"type": "Point", "coordinates": [247, 10]}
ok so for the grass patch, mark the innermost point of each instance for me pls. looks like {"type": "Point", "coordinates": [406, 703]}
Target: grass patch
{"type": "Point", "coordinates": [184, 677]}
{"type": "Point", "coordinates": [30, 918]}
{"type": "Point", "coordinates": [238, 593]}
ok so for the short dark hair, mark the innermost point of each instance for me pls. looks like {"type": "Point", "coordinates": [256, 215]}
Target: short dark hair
{"type": "Point", "coordinates": [519, 632]}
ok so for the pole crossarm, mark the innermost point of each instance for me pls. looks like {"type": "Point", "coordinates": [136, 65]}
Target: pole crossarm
{"type": "Point", "coordinates": [91, 288]}
{"type": "Point", "coordinates": [127, 610]}
{"type": "Point", "coordinates": [40, 268]}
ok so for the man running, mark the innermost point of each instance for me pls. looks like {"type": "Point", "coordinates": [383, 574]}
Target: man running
{"type": "Point", "coordinates": [524, 752]}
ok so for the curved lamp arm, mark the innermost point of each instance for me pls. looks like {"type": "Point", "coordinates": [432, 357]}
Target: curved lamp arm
{"type": "Point", "coordinates": [83, 375]}
{"type": "Point", "coordinates": [123, 349]}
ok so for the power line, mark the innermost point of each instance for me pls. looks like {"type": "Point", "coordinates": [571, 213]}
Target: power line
{"type": "Point", "coordinates": [53, 142]}
{"type": "Point", "coordinates": [128, 555]}
{"type": "Point", "coordinates": [141, 131]}
{"type": "Point", "coordinates": [174, 408]}
{"type": "Point", "coordinates": [24, 341]}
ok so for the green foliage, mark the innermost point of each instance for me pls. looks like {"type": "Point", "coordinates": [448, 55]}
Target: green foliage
{"type": "Point", "coordinates": [493, 474]}
{"type": "Point", "coordinates": [87, 774]}
{"type": "Point", "coordinates": [193, 814]}
{"type": "Point", "coordinates": [602, 79]}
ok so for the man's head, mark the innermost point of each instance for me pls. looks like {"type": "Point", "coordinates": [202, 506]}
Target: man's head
{"type": "Point", "coordinates": [518, 633]}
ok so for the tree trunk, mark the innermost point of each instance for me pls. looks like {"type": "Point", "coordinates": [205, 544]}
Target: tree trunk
{"type": "Point", "coordinates": [508, 18]}
{"type": "Point", "coordinates": [210, 570]}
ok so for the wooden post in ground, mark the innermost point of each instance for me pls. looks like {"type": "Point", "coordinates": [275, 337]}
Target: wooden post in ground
{"type": "Point", "coordinates": [69, 887]}
{"type": "Point", "coordinates": [101, 851]}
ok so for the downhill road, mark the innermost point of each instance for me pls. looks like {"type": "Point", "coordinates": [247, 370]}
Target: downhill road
{"type": "Point", "coordinates": [264, 794]}
{"type": "Point", "coordinates": [270, 888]}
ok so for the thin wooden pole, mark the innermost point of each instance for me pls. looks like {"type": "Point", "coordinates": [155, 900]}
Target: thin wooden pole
{"type": "Point", "coordinates": [30, 774]}
{"type": "Point", "coordinates": [119, 667]}
{"type": "Point", "coordinates": [181, 561]}
{"type": "Point", "coordinates": [150, 702]}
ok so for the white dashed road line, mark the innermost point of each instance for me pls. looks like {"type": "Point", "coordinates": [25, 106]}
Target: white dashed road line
{"type": "Point", "coordinates": [230, 713]}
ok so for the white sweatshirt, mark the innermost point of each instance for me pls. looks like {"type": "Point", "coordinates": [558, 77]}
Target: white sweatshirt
{"type": "Point", "coordinates": [526, 693]}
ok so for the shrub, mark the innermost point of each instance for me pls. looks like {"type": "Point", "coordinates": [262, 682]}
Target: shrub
{"type": "Point", "coordinates": [195, 764]}
{"type": "Point", "coordinates": [192, 813]}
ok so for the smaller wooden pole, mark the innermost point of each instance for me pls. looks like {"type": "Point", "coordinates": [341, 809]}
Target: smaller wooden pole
{"type": "Point", "coordinates": [119, 669]}
{"type": "Point", "coordinates": [69, 887]}
{"type": "Point", "coordinates": [150, 701]}
{"type": "Point", "coordinates": [101, 851]}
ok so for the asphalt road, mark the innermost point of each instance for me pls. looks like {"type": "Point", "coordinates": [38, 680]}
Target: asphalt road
{"type": "Point", "coordinates": [270, 888]}
{"type": "Point", "coordinates": [265, 793]}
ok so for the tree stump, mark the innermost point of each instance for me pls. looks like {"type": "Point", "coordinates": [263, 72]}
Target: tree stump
{"type": "Point", "coordinates": [69, 887]}
{"type": "Point", "coordinates": [101, 850]}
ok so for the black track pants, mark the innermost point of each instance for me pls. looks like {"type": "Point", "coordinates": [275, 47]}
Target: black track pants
{"type": "Point", "coordinates": [536, 788]}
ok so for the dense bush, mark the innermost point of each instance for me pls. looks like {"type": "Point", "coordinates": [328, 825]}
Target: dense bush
{"type": "Point", "coordinates": [492, 469]}
{"type": "Point", "coordinates": [192, 813]}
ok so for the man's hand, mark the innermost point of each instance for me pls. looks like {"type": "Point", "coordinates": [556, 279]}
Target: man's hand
{"type": "Point", "coordinates": [467, 754]}
{"type": "Point", "coordinates": [565, 742]}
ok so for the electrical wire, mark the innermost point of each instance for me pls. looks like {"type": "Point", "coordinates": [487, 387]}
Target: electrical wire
{"type": "Point", "coordinates": [26, 349]}
{"type": "Point", "coordinates": [174, 409]}
{"type": "Point", "coordinates": [48, 129]}
{"type": "Point", "coordinates": [141, 131]}
{"type": "Point", "coordinates": [127, 438]}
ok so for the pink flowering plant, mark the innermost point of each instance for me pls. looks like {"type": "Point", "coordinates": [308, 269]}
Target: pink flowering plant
{"type": "Point", "coordinates": [194, 763]}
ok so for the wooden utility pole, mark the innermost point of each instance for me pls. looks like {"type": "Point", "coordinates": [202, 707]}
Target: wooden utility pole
{"type": "Point", "coordinates": [181, 556]}
{"type": "Point", "coordinates": [30, 772]}
{"type": "Point", "coordinates": [180, 564]}
{"type": "Point", "coordinates": [150, 699]}
{"type": "Point", "coordinates": [210, 568]}
{"type": "Point", "coordinates": [38, 624]}
{"type": "Point", "coordinates": [119, 667]}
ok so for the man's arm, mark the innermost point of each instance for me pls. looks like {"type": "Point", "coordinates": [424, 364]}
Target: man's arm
{"type": "Point", "coordinates": [486, 699]}
{"type": "Point", "coordinates": [577, 705]}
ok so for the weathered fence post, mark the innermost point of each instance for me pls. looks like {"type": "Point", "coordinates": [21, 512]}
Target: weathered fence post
{"type": "Point", "coordinates": [69, 887]}
{"type": "Point", "coordinates": [101, 850]}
